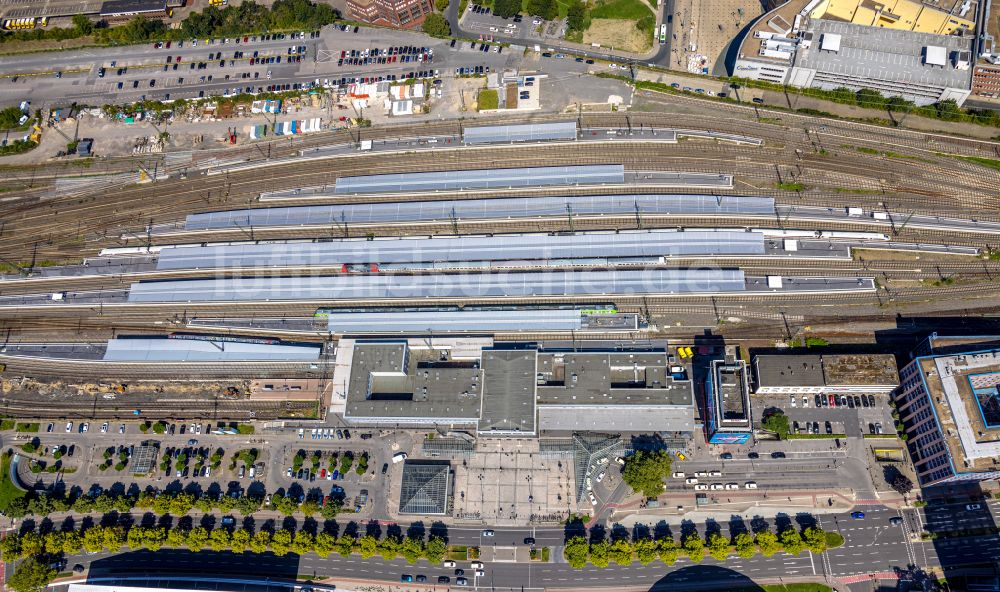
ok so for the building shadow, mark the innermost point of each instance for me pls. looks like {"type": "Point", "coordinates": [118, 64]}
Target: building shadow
{"type": "Point", "coordinates": [958, 522]}
{"type": "Point", "coordinates": [181, 562]}
{"type": "Point", "coordinates": [705, 577]}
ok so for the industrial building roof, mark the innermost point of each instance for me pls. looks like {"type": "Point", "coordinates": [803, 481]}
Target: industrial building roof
{"type": "Point", "coordinates": [563, 130]}
{"type": "Point", "coordinates": [208, 350]}
{"type": "Point", "coordinates": [377, 286]}
{"type": "Point", "coordinates": [616, 418]}
{"type": "Point", "coordinates": [827, 370]}
{"type": "Point", "coordinates": [654, 243]}
{"type": "Point", "coordinates": [482, 179]}
{"type": "Point", "coordinates": [425, 487]}
{"type": "Point", "coordinates": [128, 7]}
{"type": "Point", "coordinates": [791, 370]}
{"type": "Point", "coordinates": [388, 379]}
{"type": "Point", "coordinates": [609, 378]}
{"type": "Point", "coordinates": [508, 391]}
{"type": "Point", "coordinates": [878, 53]}
{"type": "Point", "coordinates": [482, 209]}
{"type": "Point", "coordinates": [455, 321]}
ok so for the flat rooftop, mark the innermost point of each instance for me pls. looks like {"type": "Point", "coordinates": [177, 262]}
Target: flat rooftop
{"type": "Point", "coordinates": [508, 391]}
{"type": "Point", "coordinates": [963, 390]}
{"type": "Point", "coordinates": [609, 378]}
{"type": "Point", "coordinates": [860, 369]}
{"type": "Point", "coordinates": [791, 370]}
{"type": "Point", "coordinates": [733, 388]}
{"type": "Point", "coordinates": [388, 379]}
{"type": "Point", "coordinates": [884, 54]}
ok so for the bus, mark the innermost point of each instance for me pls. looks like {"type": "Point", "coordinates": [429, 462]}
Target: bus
{"type": "Point", "coordinates": [663, 34]}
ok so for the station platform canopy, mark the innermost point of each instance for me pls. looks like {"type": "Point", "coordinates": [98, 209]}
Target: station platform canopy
{"type": "Point", "coordinates": [533, 132]}
{"type": "Point", "coordinates": [642, 244]}
{"type": "Point", "coordinates": [483, 209]}
{"type": "Point", "coordinates": [464, 286]}
{"type": "Point", "coordinates": [455, 321]}
{"type": "Point", "coordinates": [205, 350]}
{"type": "Point", "coordinates": [481, 179]}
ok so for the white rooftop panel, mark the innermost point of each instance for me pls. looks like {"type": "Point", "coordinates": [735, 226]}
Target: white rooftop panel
{"type": "Point", "coordinates": [936, 56]}
{"type": "Point", "coordinates": [481, 179]}
{"type": "Point", "coordinates": [830, 42]}
{"type": "Point", "coordinates": [191, 350]}
{"type": "Point", "coordinates": [657, 243]}
{"type": "Point", "coordinates": [482, 209]}
{"type": "Point", "coordinates": [466, 286]}
{"type": "Point", "coordinates": [455, 321]}
{"type": "Point", "coordinates": [564, 130]}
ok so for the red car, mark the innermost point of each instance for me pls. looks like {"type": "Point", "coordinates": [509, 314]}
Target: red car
{"type": "Point", "coordinates": [322, 474]}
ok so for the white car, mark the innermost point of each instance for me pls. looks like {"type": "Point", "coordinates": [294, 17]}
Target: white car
{"type": "Point", "coordinates": [750, 485]}
{"type": "Point", "coordinates": [600, 477]}
{"type": "Point", "coordinates": [679, 475]}
{"type": "Point", "coordinates": [793, 400]}
{"type": "Point", "coordinates": [613, 66]}
{"type": "Point", "coordinates": [701, 474]}
{"type": "Point", "coordinates": [477, 565]}
{"type": "Point", "coordinates": [104, 428]}
{"type": "Point", "coordinates": [84, 428]}
{"type": "Point", "coordinates": [732, 485]}
{"type": "Point", "coordinates": [715, 486]}
{"type": "Point", "coordinates": [593, 499]}
{"type": "Point", "coordinates": [536, 21]}
{"type": "Point", "coordinates": [480, 573]}
{"type": "Point", "coordinates": [69, 426]}
{"type": "Point", "coordinates": [700, 487]}
{"type": "Point", "coordinates": [715, 473]}
{"type": "Point", "coordinates": [691, 480]}
{"type": "Point", "coordinates": [805, 401]}
{"type": "Point", "coordinates": [448, 563]}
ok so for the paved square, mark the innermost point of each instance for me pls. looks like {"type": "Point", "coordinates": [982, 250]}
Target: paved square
{"type": "Point", "coordinates": [507, 481]}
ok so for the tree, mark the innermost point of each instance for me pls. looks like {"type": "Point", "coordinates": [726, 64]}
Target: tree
{"type": "Point", "coordinates": [645, 550]}
{"type": "Point", "coordinates": [600, 554]}
{"type": "Point", "coordinates": [9, 117]}
{"type": "Point", "coordinates": [197, 539]}
{"type": "Point", "coordinates": [718, 546]}
{"type": "Point", "coordinates": [260, 541]}
{"type": "Point", "coordinates": [776, 422]}
{"type": "Point", "coordinates": [412, 549]}
{"type": "Point", "coordinates": [220, 539]}
{"type": "Point", "coordinates": [345, 545]}
{"type": "Point", "coordinates": [576, 16]}
{"type": "Point", "coordinates": [900, 482]}
{"type": "Point", "coordinates": [326, 544]}
{"type": "Point", "coordinates": [93, 541]}
{"type": "Point", "coordinates": [694, 547]}
{"type": "Point", "coordinates": [815, 539]}
{"type": "Point", "coordinates": [441, 5]}
{"type": "Point", "coordinates": [31, 575]}
{"type": "Point", "coordinates": [871, 98]}
{"type": "Point", "coordinates": [645, 471]}
{"type": "Point", "coordinates": [546, 9]}
{"type": "Point", "coordinates": [791, 540]}
{"type": "Point", "coordinates": [621, 551]}
{"type": "Point", "coordinates": [10, 547]}
{"type": "Point", "coordinates": [948, 110]}
{"type": "Point", "coordinates": [281, 542]}
{"type": "Point", "coordinates": [744, 544]}
{"type": "Point", "coordinates": [436, 25]}
{"type": "Point", "coordinates": [303, 542]}
{"type": "Point", "coordinates": [240, 540]}
{"type": "Point", "coordinates": [575, 551]}
{"type": "Point", "coordinates": [435, 549]}
{"type": "Point", "coordinates": [82, 25]}
{"type": "Point", "coordinates": [72, 542]}
{"type": "Point", "coordinates": [667, 549]}
{"type": "Point", "coordinates": [506, 8]}
{"type": "Point", "coordinates": [176, 538]}
{"type": "Point", "coordinates": [388, 548]}
{"type": "Point", "coordinates": [367, 546]}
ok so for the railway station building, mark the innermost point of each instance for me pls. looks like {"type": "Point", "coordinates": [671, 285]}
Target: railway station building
{"type": "Point", "coordinates": [949, 405]}
{"type": "Point", "coordinates": [518, 390]}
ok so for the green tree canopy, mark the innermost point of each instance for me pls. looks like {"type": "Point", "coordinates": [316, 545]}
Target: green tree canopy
{"type": "Point", "coordinates": [506, 8]}
{"type": "Point", "coordinates": [745, 546]}
{"type": "Point", "coordinates": [31, 575]}
{"type": "Point", "coordinates": [436, 25]}
{"type": "Point", "coordinates": [576, 16]}
{"type": "Point", "coordinates": [694, 547]}
{"type": "Point", "coordinates": [776, 422]}
{"type": "Point", "coordinates": [645, 550]}
{"type": "Point", "coordinates": [815, 539]}
{"type": "Point", "coordinates": [576, 551]}
{"type": "Point", "coordinates": [791, 540]}
{"type": "Point", "coordinates": [645, 471]}
{"type": "Point", "coordinates": [718, 546]}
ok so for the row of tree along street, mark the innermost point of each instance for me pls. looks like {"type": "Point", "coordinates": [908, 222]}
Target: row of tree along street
{"type": "Point", "coordinates": [623, 550]}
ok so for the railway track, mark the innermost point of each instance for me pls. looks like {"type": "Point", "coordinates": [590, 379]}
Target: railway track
{"type": "Point", "coordinates": [97, 408]}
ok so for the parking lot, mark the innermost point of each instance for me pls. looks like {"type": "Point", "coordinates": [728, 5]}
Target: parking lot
{"type": "Point", "coordinates": [845, 414]}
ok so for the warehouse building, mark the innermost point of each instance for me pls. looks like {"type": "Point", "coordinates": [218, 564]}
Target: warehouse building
{"type": "Point", "coordinates": [518, 390]}
{"type": "Point", "coordinates": [825, 374]}
{"type": "Point", "coordinates": [949, 405]}
{"type": "Point", "coordinates": [121, 10]}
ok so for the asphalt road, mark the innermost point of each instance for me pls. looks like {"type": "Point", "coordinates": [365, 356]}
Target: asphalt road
{"type": "Point", "coordinates": [872, 545]}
